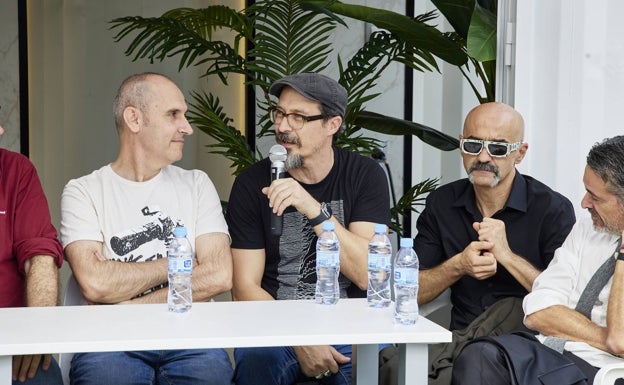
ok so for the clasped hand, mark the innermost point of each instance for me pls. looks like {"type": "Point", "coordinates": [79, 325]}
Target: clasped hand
{"type": "Point", "coordinates": [480, 258]}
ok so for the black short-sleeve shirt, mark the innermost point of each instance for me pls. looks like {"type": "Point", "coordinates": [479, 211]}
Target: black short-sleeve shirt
{"type": "Point", "coordinates": [356, 189]}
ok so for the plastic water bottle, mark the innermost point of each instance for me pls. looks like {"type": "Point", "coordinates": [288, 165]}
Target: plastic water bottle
{"type": "Point", "coordinates": [379, 268]}
{"type": "Point", "coordinates": [180, 262]}
{"type": "Point", "coordinates": [406, 284]}
{"type": "Point", "coordinates": [327, 266]}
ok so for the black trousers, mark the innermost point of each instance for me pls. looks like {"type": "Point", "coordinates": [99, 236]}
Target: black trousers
{"type": "Point", "coordinates": [488, 363]}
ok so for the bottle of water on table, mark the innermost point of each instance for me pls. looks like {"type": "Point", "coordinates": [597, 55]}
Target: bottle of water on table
{"type": "Point", "coordinates": [406, 284]}
{"type": "Point", "coordinates": [180, 262]}
{"type": "Point", "coordinates": [327, 266]}
{"type": "Point", "coordinates": [379, 268]}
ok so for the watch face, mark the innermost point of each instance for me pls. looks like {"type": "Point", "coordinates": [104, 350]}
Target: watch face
{"type": "Point", "coordinates": [325, 214]}
{"type": "Point", "coordinates": [326, 210]}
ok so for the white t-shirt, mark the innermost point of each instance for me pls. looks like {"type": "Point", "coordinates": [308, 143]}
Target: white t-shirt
{"type": "Point", "coordinates": [135, 220]}
{"type": "Point", "coordinates": [562, 283]}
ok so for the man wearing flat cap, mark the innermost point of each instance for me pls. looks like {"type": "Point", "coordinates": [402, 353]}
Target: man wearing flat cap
{"type": "Point", "coordinates": [322, 182]}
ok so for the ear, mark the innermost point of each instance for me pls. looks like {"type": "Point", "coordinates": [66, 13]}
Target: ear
{"type": "Point", "coordinates": [522, 152]}
{"type": "Point", "coordinates": [334, 125]}
{"type": "Point", "coordinates": [133, 118]}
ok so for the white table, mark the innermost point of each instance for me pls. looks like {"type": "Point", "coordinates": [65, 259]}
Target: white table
{"type": "Point", "coordinates": [101, 328]}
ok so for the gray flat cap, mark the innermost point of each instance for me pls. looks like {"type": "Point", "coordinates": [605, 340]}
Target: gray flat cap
{"type": "Point", "coordinates": [318, 87]}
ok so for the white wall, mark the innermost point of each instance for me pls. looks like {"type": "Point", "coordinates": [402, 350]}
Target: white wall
{"type": "Point", "coordinates": [569, 85]}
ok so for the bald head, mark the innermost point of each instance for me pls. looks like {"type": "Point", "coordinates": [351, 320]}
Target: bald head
{"type": "Point", "coordinates": [495, 120]}
{"type": "Point", "coordinates": [135, 91]}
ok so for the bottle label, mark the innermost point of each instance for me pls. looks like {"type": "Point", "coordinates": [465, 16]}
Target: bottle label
{"type": "Point", "coordinates": [181, 264]}
{"type": "Point", "coordinates": [405, 276]}
{"type": "Point", "coordinates": [327, 259]}
{"type": "Point", "coordinates": [379, 261]}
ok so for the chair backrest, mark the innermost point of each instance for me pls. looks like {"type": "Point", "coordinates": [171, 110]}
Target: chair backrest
{"type": "Point", "coordinates": [607, 375]}
{"type": "Point", "coordinates": [72, 297]}
{"type": "Point", "coordinates": [438, 310]}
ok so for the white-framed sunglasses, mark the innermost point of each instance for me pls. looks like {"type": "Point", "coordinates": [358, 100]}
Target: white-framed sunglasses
{"type": "Point", "coordinates": [495, 149]}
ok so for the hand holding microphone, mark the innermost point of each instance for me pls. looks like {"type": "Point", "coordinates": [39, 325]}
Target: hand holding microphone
{"type": "Point", "coordinates": [277, 155]}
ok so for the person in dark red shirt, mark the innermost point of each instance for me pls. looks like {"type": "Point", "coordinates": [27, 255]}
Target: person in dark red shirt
{"type": "Point", "coordinates": [30, 256]}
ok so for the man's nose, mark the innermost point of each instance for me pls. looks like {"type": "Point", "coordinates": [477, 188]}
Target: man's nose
{"type": "Point", "coordinates": [187, 129]}
{"type": "Point", "coordinates": [586, 202]}
{"type": "Point", "coordinates": [484, 155]}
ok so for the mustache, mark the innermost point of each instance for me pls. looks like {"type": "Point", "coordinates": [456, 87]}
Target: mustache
{"type": "Point", "coordinates": [282, 137]}
{"type": "Point", "coordinates": [484, 167]}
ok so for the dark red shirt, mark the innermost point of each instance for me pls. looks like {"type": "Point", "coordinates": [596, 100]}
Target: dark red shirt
{"type": "Point", "coordinates": [26, 229]}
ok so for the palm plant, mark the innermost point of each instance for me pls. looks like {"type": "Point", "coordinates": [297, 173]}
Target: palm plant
{"type": "Point", "coordinates": [473, 46]}
{"type": "Point", "coordinates": [286, 37]}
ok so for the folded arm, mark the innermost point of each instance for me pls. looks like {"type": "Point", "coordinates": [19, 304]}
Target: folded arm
{"type": "Point", "coordinates": [561, 321]}
{"type": "Point", "coordinates": [213, 273]}
{"type": "Point", "coordinates": [106, 281]}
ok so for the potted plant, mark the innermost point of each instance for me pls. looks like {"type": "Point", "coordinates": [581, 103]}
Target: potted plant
{"type": "Point", "coordinates": [292, 36]}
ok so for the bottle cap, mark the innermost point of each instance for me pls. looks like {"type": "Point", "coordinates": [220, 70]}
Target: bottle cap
{"type": "Point", "coordinates": [328, 225]}
{"type": "Point", "coordinates": [179, 232]}
{"type": "Point", "coordinates": [380, 228]}
{"type": "Point", "coordinates": [407, 242]}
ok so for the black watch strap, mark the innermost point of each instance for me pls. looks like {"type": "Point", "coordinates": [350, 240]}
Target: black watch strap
{"type": "Point", "coordinates": [325, 214]}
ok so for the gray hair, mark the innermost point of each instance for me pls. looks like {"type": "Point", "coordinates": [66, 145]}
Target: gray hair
{"type": "Point", "coordinates": [327, 115]}
{"type": "Point", "coordinates": [607, 160]}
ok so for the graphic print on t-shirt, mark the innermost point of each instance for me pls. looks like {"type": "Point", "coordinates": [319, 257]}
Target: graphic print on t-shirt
{"type": "Point", "coordinates": [296, 271]}
{"type": "Point", "coordinates": [158, 226]}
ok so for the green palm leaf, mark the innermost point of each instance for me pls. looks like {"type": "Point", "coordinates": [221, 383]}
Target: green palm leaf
{"type": "Point", "coordinates": [393, 126]}
{"type": "Point", "coordinates": [185, 32]}
{"type": "Point", "coordinates": [410, 201]}
{"type": "Point", "coordinates": [206, 113]}
{"type": "Point", "coordinates": [414, 32]}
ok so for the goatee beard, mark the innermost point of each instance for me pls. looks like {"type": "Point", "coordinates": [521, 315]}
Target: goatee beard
{"type": "Point", "coordinates": [293, 161]}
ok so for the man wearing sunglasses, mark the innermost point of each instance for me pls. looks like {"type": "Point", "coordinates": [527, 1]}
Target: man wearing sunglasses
{"type": "Point", "coordinates": [576, 304]}
{"type": "Point", "coordinates": [323, 182]}
{"type": "Point", "coordinates": [486, 237]}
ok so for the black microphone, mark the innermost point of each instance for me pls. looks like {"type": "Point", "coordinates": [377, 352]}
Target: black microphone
{"type": "Point", "coordinates": [277, 155]}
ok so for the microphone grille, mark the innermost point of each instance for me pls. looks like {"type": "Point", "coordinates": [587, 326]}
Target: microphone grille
{"type": "Point", "coordinates": [277, 153]}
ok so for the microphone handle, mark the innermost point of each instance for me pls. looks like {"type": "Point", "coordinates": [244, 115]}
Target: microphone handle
{"type": "Point", "coordinates": [277, 220]}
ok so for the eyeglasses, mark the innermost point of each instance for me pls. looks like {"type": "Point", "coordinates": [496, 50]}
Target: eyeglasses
{"type": "Point", "coordinates": [295, 120]}
{"type": "Point", "coordinates": [495, 149]}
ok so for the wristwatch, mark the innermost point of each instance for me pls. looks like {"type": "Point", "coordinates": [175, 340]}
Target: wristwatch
{"type": "Point", "coordinates": [325, 214]}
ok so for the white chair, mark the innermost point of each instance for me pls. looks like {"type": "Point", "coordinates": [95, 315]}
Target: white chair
{"type": "Point", "coordinates": [439, 302]}
{"type": "Point", "coordinates": [73, 297]}
{"type": "Point", "coordinates": [608, 374]}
